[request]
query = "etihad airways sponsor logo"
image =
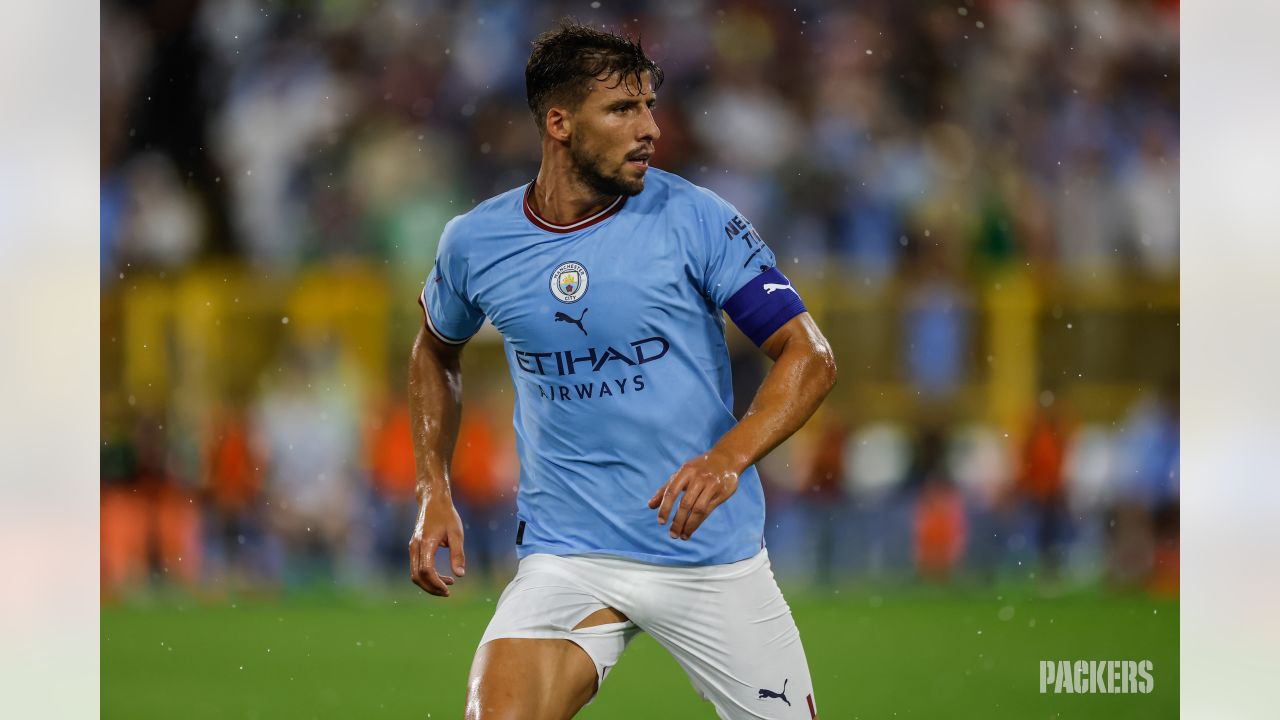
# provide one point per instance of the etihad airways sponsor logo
(594, 389)
(573, 362)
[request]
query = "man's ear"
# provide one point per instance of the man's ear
(559, 124)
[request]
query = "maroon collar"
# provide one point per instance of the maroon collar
(608, 212)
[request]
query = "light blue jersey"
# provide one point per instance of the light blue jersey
(613, 331)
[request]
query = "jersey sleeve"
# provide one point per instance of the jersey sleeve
(451, 315)
(740, 273)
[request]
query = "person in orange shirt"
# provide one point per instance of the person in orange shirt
(482, 487)
(392, 480)
(941, 529)
(123, 520)
(233, 508)
(1040, 483)
(484, 492)
(939, 524)
(150, 526)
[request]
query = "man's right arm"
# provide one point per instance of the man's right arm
(435, 407)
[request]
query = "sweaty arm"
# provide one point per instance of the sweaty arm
(435, 407)
(804, 371)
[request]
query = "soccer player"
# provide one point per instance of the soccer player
(639, 509)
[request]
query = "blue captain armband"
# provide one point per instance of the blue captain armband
(763, 305)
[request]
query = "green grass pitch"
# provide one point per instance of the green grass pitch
(902, 653)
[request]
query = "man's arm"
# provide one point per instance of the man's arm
(803, 373)
(435, 407)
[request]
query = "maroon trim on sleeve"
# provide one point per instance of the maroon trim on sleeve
(431, 325)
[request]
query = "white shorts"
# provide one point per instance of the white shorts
(727, 625)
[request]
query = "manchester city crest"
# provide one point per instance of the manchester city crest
(569, 282)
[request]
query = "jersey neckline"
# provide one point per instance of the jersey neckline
(586, 222)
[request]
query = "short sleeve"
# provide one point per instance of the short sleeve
(740, 273)
(451, 315)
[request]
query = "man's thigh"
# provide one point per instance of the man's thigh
(529, 679)
(548, 646)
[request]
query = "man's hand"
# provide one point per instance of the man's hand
(706, 481)
(438, 526)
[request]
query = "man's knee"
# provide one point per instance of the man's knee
(488, 706)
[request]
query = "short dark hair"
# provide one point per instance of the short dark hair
(565, 61)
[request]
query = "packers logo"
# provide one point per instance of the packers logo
(569, 282)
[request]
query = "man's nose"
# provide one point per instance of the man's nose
(649, 131)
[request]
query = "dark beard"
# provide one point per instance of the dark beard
(585, 166)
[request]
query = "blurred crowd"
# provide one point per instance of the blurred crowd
(1069, 504)
(303, 487)
(931, 145)
(1023, 131)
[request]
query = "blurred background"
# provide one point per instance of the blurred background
(978, 200)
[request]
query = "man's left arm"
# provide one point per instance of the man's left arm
(804, 371)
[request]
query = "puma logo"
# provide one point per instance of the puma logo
(766, 694)
(770, 288)
(561, 317)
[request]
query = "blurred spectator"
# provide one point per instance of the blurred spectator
(823, 500)
(940, 529)
(278, 110)
(124, 554)
(234, 512)
(482, 490)
(1150, 184)
(936, 329)
(1088, 221)
(1149, 449)
(878, 460)
(1144, 544)
(158, 220)
(1040, 483)
(150, 524)
(174, 518)
(309, 432)
(979, 460)
(394, 504)
(1090, 472)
